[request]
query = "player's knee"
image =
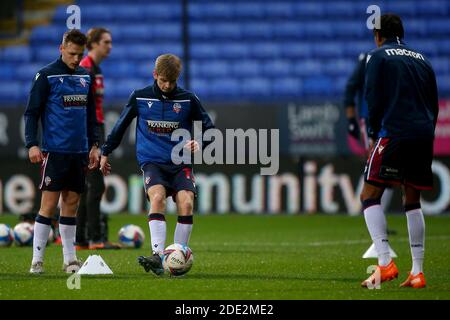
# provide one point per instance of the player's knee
(186, 207)
(158, 199)
(185, 202)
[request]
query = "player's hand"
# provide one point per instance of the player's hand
(105, 167)
(94, 156)
(353, 127)
(35, 154)
(192, 145)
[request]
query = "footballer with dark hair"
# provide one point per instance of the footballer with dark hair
(402, 99)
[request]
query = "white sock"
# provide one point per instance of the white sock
(183, 230)
(377, 226)
(42, 228)
(416, 230)
(158, 230)
(67, 229)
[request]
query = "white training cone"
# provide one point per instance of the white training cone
(95, 265)
(372, 252)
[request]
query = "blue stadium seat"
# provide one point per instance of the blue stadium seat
(350, 29)
(13, 91)
(98, 14)
(288, 30)
(339, 9)
(200, 87)
(287, 87)
(27, 71)
(444, 47)
(328, 49)
(275, 9)
(204, 51)
(339, 84)
(134, 33)
(427, 47)
(16, 54)
(402, 8)
(309, 9)
(7, 71)
(211, 69)
(415, 27)
(318, 30)
(122, 89)
(443, 83)
(227, 31)
(433, 8)
(129, 13)
(46, 54)
(441, 64)
(336, 67)
(257, 31)
(234, 50)
(318, 86)
(308, 67)
(213, 11)
(257, 88)
(226, 88)
(47, 35)
(265, 50)
(440, 27)
(248, 10)
(120, 69)
(246, 68)
(199, 31)
(296, 50)
(354, 48)
(277, 69)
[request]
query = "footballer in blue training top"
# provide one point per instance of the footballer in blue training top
(161, 108)
(61, 97)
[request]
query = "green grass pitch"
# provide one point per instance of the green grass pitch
(243, 257)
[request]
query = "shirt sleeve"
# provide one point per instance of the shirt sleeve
(126, 117)
(37, 100)
(374, 93)
(199, 114)
(355, 82)
(435, 97)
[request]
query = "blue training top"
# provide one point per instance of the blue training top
(158, 115)
(62, 98)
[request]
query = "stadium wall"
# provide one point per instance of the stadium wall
(318, 170)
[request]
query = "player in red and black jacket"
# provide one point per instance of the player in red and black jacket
(402, 99)
(99, 44)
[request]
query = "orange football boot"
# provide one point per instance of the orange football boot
(387, 273)
(417, 281)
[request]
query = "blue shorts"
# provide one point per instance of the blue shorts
(63, 171)
(173, 177)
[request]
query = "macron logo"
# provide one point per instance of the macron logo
(404, 52)
(37, 76)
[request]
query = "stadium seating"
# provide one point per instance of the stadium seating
(239, 50)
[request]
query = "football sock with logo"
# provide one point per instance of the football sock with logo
(416, 230)
(158, 229)
(67, 229)
(42, 228)
(183, 229)
(377, 226)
